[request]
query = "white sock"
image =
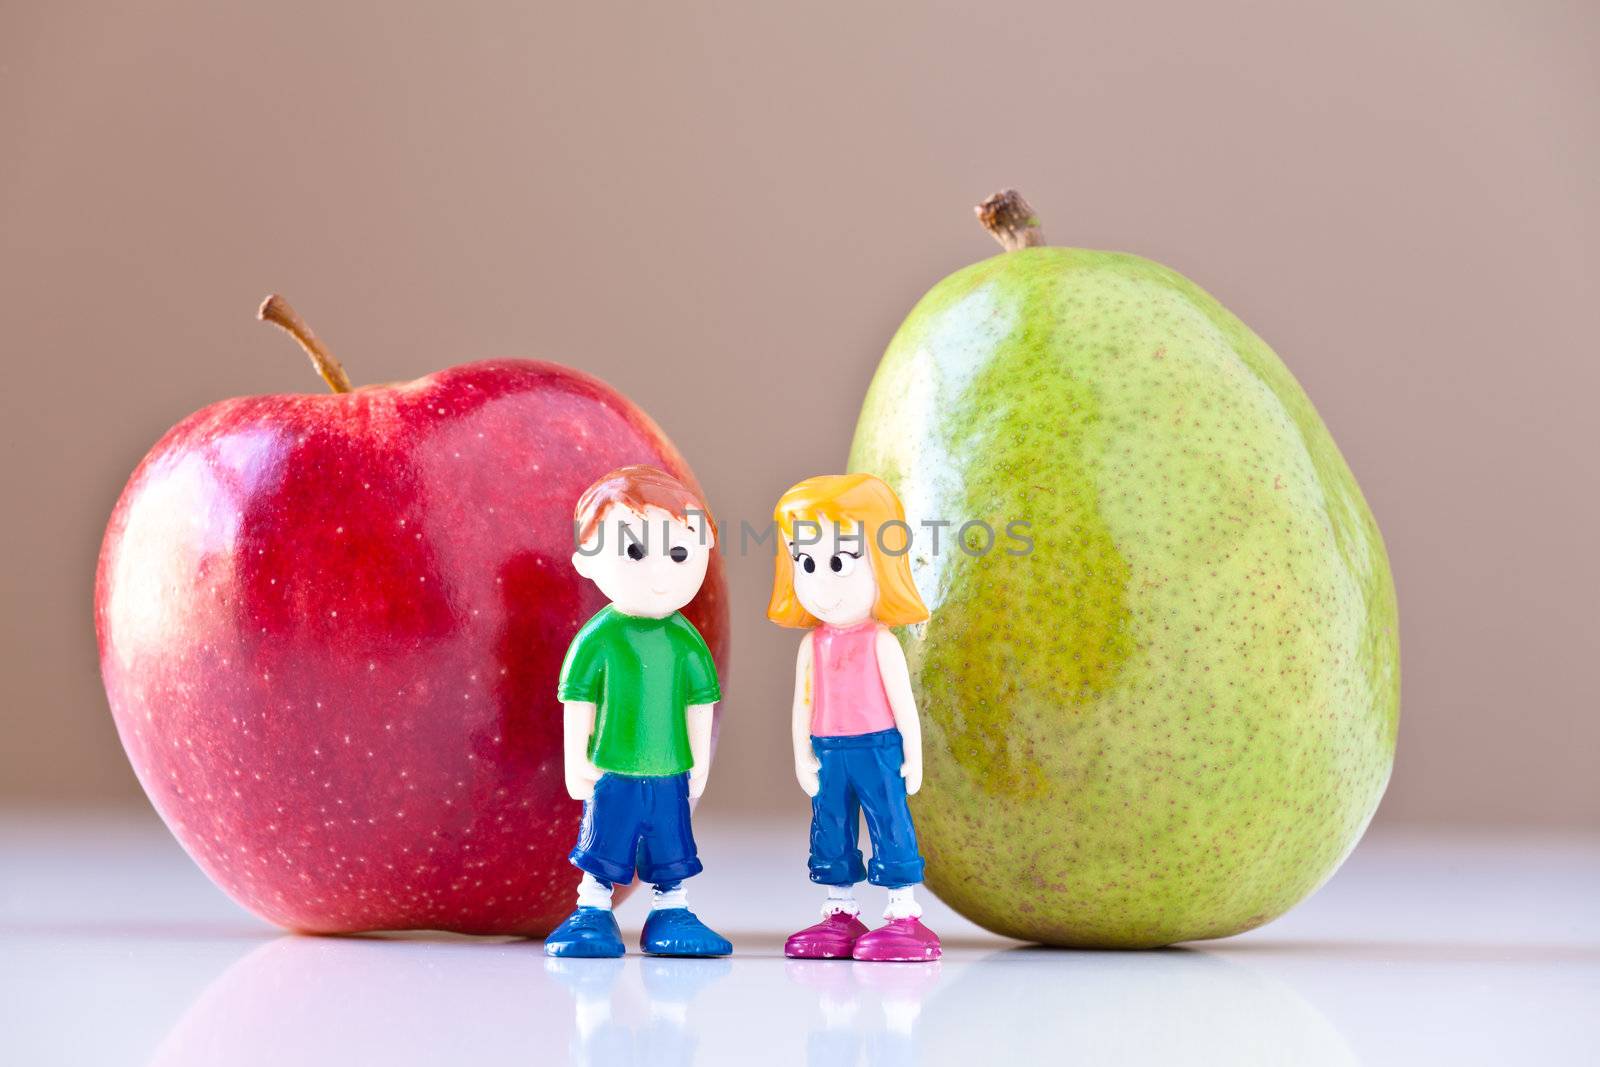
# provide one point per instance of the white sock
(902, 904)
(593, 893)
(673, 898)
(841, 900)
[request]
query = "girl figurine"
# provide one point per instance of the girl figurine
(842, 574)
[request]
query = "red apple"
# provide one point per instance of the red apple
(330, 628)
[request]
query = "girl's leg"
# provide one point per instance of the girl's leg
(835, 863)
(835, 824)
(903, 904)
(896, 863)
(841, 901)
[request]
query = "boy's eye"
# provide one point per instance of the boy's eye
(679, 554)
(842, 563)
(636, 551)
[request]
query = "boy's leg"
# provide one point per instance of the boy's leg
(667, 855)
(666, 850)
(594, 892)
(613, 820)
(669, 895)
(591, 930)
(604, 853)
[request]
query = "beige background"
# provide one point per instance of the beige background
(725, 211)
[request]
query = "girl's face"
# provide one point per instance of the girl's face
(832, 574)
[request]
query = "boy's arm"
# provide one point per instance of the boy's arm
(806, 764)
(704, 692)
(578, 689)
(897, 684)
(699, 746)
(577, 722)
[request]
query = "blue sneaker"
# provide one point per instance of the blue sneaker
(588, 933)
(677, 932)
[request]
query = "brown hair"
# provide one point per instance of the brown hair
(637, 487)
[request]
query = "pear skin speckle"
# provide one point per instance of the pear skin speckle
(1173, 718)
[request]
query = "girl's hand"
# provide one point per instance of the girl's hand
(806, 767)
(911, 771)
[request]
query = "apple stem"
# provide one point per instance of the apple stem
(276, 310)
(1010, 220)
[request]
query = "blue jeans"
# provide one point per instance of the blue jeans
(641, 823)
(861, 772)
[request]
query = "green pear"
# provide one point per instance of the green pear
(1164, 708)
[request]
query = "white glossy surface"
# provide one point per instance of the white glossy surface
(114, 949)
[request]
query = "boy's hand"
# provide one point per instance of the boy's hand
(806, 767)
(581, 780)
(699, 723)
(911, 771)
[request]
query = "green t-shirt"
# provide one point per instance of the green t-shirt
(642, 675)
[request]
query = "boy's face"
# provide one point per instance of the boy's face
(833, 577)
(648, 565)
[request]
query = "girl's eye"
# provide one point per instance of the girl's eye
(807, 562)
(679, 554)
(842, 563)
(636, 551)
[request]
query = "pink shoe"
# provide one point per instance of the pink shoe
(899, 940)
(830, 939)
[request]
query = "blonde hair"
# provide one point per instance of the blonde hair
(866, 505)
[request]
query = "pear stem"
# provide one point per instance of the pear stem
(276, 310)
(1010, 220)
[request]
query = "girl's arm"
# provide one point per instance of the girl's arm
(897, 684)
(806, 764)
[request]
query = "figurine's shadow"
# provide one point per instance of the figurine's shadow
(870, 1011)
(311, 1000)
(1172, 1005)
(437, 999)
(635, 1010)
(1176, 1005)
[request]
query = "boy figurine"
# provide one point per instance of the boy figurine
(638, 686)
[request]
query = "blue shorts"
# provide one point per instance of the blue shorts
(637, 823)
(861, 772)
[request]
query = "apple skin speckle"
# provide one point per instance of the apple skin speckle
(296, 599)
(1174, 718)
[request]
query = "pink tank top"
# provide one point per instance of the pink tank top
(847, 696)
